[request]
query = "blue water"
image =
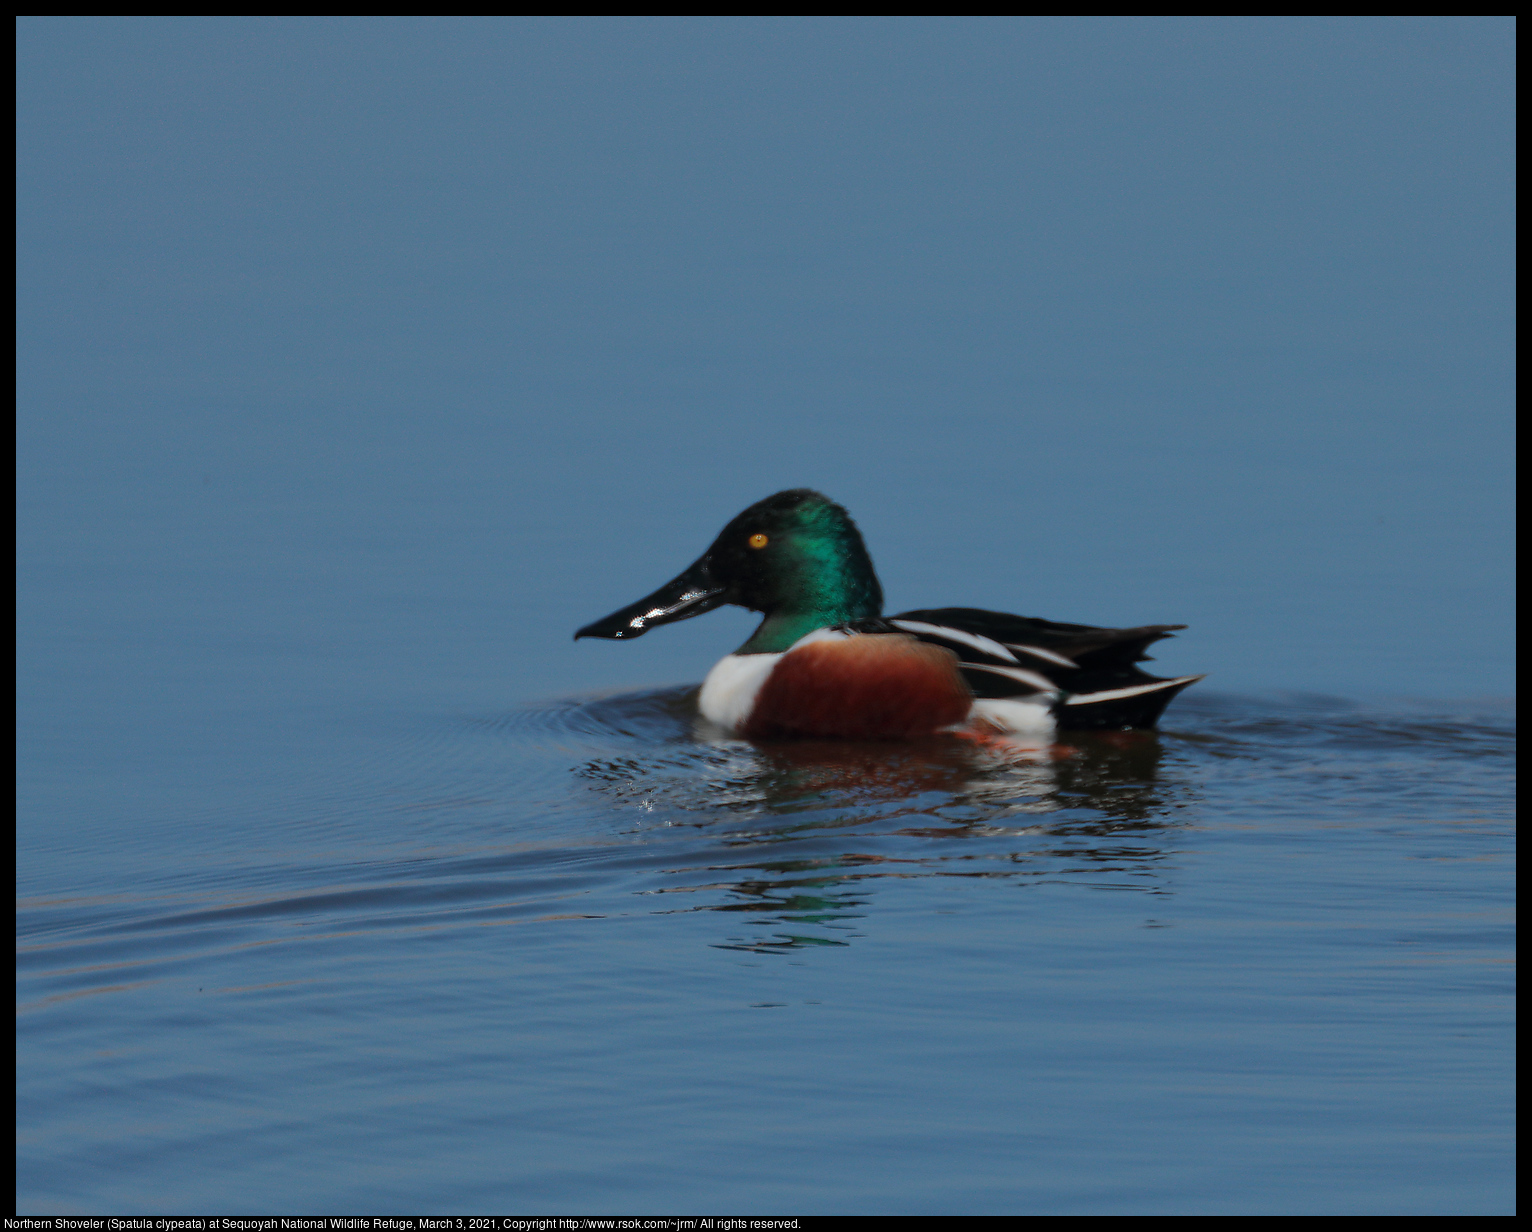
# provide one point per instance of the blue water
(363, 361)
(572, 957)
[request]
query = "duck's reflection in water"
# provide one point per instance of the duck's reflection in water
(993, 779)
(807, 830)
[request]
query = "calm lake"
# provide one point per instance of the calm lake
(574, 957)
(363, 360)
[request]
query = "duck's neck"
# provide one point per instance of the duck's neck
(785, 625)
(781, 629)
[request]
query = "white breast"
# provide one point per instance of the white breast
(728, 693)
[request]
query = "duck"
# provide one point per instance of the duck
(826, 664)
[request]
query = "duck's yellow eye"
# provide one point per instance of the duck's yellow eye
(758, 540)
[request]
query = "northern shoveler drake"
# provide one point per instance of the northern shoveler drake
(826, 664)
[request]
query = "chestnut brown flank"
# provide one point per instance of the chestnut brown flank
(872, 687)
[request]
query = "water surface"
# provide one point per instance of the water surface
(361, 361)
(576, 956)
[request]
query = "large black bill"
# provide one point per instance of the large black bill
(690, 594)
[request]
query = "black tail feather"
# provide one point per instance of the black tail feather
(1086, 712)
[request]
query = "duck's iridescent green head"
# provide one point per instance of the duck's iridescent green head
(796, 556)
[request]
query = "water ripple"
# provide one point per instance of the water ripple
(618, 806)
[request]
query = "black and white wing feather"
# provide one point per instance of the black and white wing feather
(1089, 675)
